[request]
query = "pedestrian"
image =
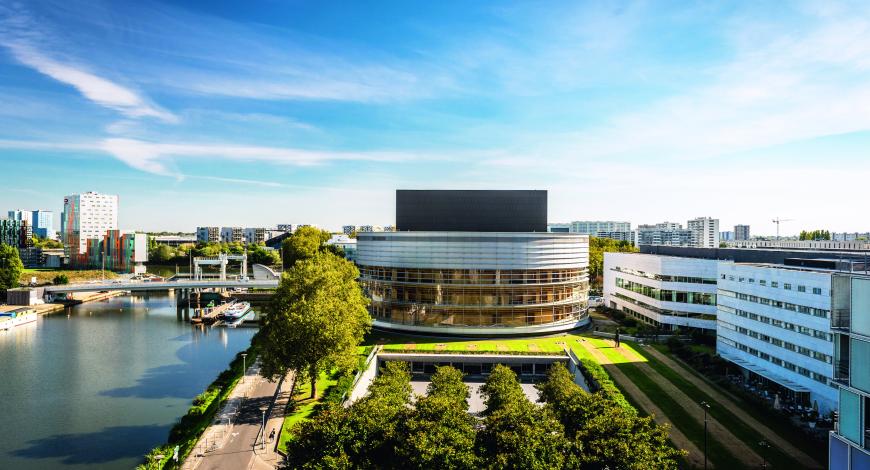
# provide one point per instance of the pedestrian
(616, 337)
(272, 436)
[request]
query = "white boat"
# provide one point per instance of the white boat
(19, 316)
(238, 321)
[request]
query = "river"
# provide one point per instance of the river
(99, 385)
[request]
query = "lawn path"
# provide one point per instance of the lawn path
(737, 448)
(695, 456)
(725, 401)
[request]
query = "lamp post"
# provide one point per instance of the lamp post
(705, 406)
(244, 369)
(764, 446)
(263, 432)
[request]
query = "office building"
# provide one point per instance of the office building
(667, 292)
(850, 236)
(255, 235)
(208, 234)
(741, 232)
(590, 227)
(813, 245)
(559, 228)
(87, 216)
(116, 250)
(348, 229)
(347, 244)
(474, 263)
(24, 215)
(232, 234)
(629, 236)
(705, 232)
(664, 233)
(849, 443)
(40, 221)
(774, 322)
(370, 228)
(174, 240)
(726, 236)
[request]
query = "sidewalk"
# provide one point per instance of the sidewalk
(234, 440)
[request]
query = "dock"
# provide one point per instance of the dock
(209, 315)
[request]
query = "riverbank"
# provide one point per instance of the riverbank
(81, 298)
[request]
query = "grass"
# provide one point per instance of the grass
(675, 411)
(304, 406)
(45, 276)
(771, 418)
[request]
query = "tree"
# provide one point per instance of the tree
(258, 254)
(303, 244)
(316, 319)
(814, 235)
(599, 246)
(440, 433)
(517, 434)
(60, 279)
(10, 267)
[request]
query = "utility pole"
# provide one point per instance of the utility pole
(764, 446)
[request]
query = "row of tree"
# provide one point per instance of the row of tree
(815, 235)
(165, 254)
(573, 429)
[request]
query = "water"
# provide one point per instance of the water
(98, 386)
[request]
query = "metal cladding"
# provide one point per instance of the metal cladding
(471, 210)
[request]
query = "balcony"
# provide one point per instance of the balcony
(841, 319)
(841, 371)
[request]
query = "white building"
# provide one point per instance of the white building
(255, 234)
(664, 291)
(348, 229)
(774, 322)
(370, 228)
(663, 233)
(87, 216)
(741, 232)
(705, 232)
(346, 243)
(590, 227)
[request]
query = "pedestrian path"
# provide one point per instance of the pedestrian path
(238, 439)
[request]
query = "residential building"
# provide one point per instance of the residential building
(850, 236)
(741, 232)
(389, 228)
(17, 233)
(287, 227)
(116, 250)
(832, 245)
(348, 229)
(629, 236)
(667, 292)
(726, 236)
(705, 232)
(591, 227)
(474, 263)
(232, 234)
(87, 216)
(175, 240)
(664, 233)
(774, 322)
(559, 228)
(208, 234)
(849, 443)
(20, 214)
(41, 222)
(255, 235)
(370, 228)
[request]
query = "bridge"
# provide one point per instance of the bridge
(164, 285)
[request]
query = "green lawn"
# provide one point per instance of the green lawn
(427, 344)
(304, 406)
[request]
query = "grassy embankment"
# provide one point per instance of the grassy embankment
(47, 275)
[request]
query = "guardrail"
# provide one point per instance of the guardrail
(164, 285)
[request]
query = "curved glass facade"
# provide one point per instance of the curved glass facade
(446, 290)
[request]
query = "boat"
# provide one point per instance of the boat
(235, 313)
(19, 316)
(238, 321)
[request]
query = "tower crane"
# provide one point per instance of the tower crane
(778, 221)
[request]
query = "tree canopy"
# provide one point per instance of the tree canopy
(316, 319)
(815, 235)
(303, 244)
(599, 246)
(11, 267)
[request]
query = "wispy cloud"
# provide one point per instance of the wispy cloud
(22, 37)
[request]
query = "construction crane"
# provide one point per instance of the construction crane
(777, 221)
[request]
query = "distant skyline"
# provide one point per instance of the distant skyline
(258, 113)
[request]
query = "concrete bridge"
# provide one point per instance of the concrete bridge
(165, 285)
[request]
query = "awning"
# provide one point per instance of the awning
(766, 374)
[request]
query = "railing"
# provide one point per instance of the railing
(841, 318)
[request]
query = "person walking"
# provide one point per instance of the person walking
(616, 338)
(272, 436)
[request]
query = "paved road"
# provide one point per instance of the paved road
(238, 446)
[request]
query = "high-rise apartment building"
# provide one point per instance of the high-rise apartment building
(590, 227)
(849, 443)
(43, 224)
(705, 232)
(664, 233)
(726, 236)
(87, 216)
(232, 234)
(255, 234)
(15, 233)
(741, 232)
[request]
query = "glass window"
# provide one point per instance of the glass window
(860, 306)
(850, 416)
(786, 286)
(859, 373)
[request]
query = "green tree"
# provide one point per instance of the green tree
(440, 433)
(599, 246)
(316, 319)
(60, 279)
(517, 434)
(303, 244)
(10, 267)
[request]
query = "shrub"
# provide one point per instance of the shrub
(60, 279)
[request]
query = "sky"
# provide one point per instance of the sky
(257, 113)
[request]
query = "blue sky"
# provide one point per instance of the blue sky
(258, 113)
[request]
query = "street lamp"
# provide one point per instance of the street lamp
(705, 406)
(244, 355)
(764, 446)
(263, 432)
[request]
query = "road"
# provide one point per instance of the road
(239, 446)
